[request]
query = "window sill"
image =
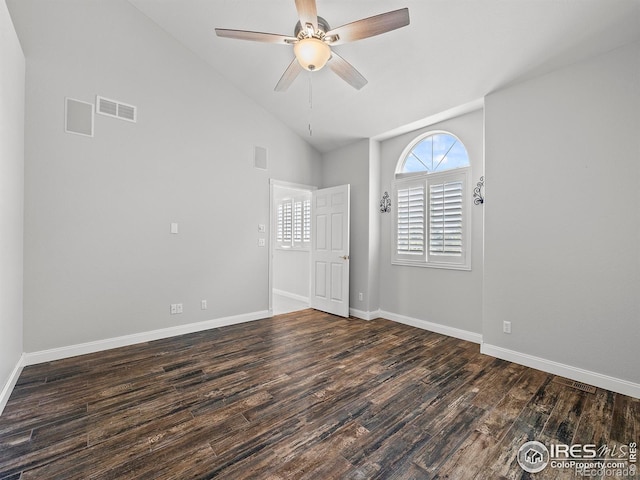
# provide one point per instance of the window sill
(293, 249)
(441, 266)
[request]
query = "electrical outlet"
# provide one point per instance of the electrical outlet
(262, 228)
(203, 304)
(178, 308)
(173, 309)
(262, 242)
(360, 296)
(506, 327)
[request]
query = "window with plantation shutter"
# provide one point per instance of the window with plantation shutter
(293, 223)
(433, 204)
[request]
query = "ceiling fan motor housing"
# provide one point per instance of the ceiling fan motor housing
(323, 27)
(311, 50)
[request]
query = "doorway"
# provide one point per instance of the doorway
(290, 247)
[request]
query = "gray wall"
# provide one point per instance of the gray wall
(448, 297)
(351, 165)
(99, 259)
(375, 220)
(562, 249)
(12, 71)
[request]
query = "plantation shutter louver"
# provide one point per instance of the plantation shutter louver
(287, 227)
(445, 218)
(306, 225)
(297, 222)
(410, 220)
(280, 228)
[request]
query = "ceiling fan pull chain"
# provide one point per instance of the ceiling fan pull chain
(310, 102)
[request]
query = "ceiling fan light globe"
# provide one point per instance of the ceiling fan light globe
(312, 53)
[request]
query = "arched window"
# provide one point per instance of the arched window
(434, 152)
(432, 203)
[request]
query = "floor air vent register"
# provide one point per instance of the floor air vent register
(577, 385)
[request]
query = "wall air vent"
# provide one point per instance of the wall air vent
(78, 117)
(260, 157)
(113, 108)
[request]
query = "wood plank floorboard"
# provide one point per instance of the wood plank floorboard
(303, 395)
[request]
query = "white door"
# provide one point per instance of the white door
(330, 250)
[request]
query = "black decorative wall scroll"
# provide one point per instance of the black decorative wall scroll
(477, 192)
(385, 203)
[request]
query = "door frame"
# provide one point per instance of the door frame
(272, 228)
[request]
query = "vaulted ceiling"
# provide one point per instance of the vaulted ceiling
(453, 52)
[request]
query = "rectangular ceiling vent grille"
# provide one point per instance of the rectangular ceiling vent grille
(113, 108)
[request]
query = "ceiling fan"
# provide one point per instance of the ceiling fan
(313, 38)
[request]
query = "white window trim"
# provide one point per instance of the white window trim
(425, 260)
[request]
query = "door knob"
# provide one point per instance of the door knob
(344, 257)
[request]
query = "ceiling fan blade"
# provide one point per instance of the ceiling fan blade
(368, 27)
(346, 71)
(289, 75)
(256, 36)
(308, 13)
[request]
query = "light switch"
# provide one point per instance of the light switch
(262, 228)
(174, 228)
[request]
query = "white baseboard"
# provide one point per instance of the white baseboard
(354, 312)
(33, 358)
(617, 385)
(11, 382)
(432, 327)
(294, 296)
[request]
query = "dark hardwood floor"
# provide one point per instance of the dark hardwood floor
(302, 395)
